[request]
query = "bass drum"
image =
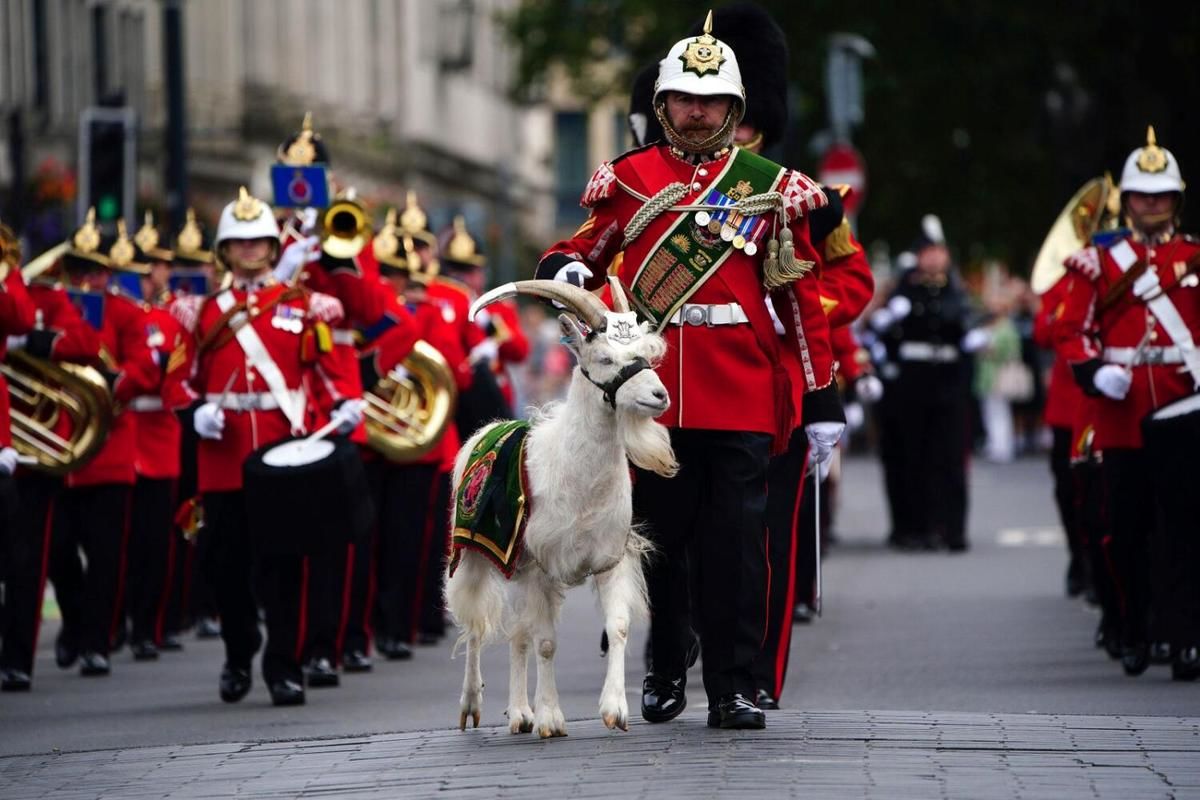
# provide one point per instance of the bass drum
(307, 497)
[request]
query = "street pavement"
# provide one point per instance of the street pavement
(930, 675)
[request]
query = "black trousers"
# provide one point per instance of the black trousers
(1129, 491)
(1091, 516)
(714, 510)
(327, 600)
(933, 404)
(151, 557)
(891, 456)
(1065, 488)
(431, 602)
(360, 597)
(787, 585)
(1172, 445)
(26, 561)
(94, 519)
(405, 496)
(242, 577)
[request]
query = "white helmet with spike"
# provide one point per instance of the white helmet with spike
(701, 65)
(1151, 169)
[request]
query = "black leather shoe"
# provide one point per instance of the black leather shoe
(144, 650)
(428, 638)
(663, 699)
(208, 628)
(15, 680)
(235, 683)
(395, 650)
(287, 693)
(735, 712)
(1186, 664)
(93, 664)
(1135, 658)
(170, 642)
(319, 673)
(803, 613)
(356, 661)
(764, 700)
(1161, 653)
(66, 651)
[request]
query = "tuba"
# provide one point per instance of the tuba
(60, 413)
(345, 227)
(407, 415)
(1095, 207)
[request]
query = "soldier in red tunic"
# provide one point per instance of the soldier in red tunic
(266, 368)
(92, 515)
(1128, 330)
(708, 232)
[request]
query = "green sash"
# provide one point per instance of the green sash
(688, 254)
(492, 501)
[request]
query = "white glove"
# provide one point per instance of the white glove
(575, 273)
(209, 421)
(308, 220)
(399, 373)
(822, 438)
(900, 306)
(854, 416)
(975, 340)
(8, 461)
(881, 319)
(325, 307)
(869, 389)
(487, 350)
(1113, 381)
(16, 342)
(349, 415)
(297, 254)
(1146, 285)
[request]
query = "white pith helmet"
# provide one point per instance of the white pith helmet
(246, 218)
(700, 65)
(1151, 169)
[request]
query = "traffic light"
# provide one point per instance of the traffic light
(106, 169)
(107, 162)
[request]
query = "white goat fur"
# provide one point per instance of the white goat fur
(577, 456)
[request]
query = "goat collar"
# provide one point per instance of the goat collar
(610, 388)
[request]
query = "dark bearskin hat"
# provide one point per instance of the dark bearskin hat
(643, 123)
(762, 55)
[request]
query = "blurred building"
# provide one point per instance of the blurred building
(406, 93)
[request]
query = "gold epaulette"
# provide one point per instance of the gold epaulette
(839, 243)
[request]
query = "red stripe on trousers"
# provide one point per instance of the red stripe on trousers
(164, 597)
(785, 633)
(119, 596)
(41, 590)
(344, 619)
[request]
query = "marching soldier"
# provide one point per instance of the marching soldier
(92, 514)
(703, 280)
(152, 538)
(1128, 330)
(926, 325)
(266, 370)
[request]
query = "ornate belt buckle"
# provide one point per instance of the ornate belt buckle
(695, 315)
(1154, 355)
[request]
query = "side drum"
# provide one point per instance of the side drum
(307, 497)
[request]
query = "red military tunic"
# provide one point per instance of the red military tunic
(444, 337)
(726, 377)
(158, 428)
(17, 316)
(123, 351)
(1064, 398)
(454, 300)
(1087, 334)
(513, 347)
(296, 344)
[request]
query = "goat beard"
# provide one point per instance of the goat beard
(648, 445)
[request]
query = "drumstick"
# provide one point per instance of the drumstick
(228, 385)
(324, 431)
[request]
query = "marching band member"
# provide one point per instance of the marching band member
(1128, 330)
(93, 512)
(266, 369)
(704, 281)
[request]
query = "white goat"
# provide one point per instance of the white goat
(577, 460)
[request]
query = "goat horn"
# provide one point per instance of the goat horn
(620, 302)
(583, 303)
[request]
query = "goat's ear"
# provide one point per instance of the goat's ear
(572, 333)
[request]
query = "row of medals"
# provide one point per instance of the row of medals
(727, 231)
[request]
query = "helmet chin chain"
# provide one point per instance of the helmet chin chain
(722, 138)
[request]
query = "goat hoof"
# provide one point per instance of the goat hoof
(474, 719)
(612, 721)
(462, 721)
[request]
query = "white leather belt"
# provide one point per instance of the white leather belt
(1150, 355)
(146, 402)
(1179, 408)
(924, 351)
(709, 315)
(253, 401)
(343, 336)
